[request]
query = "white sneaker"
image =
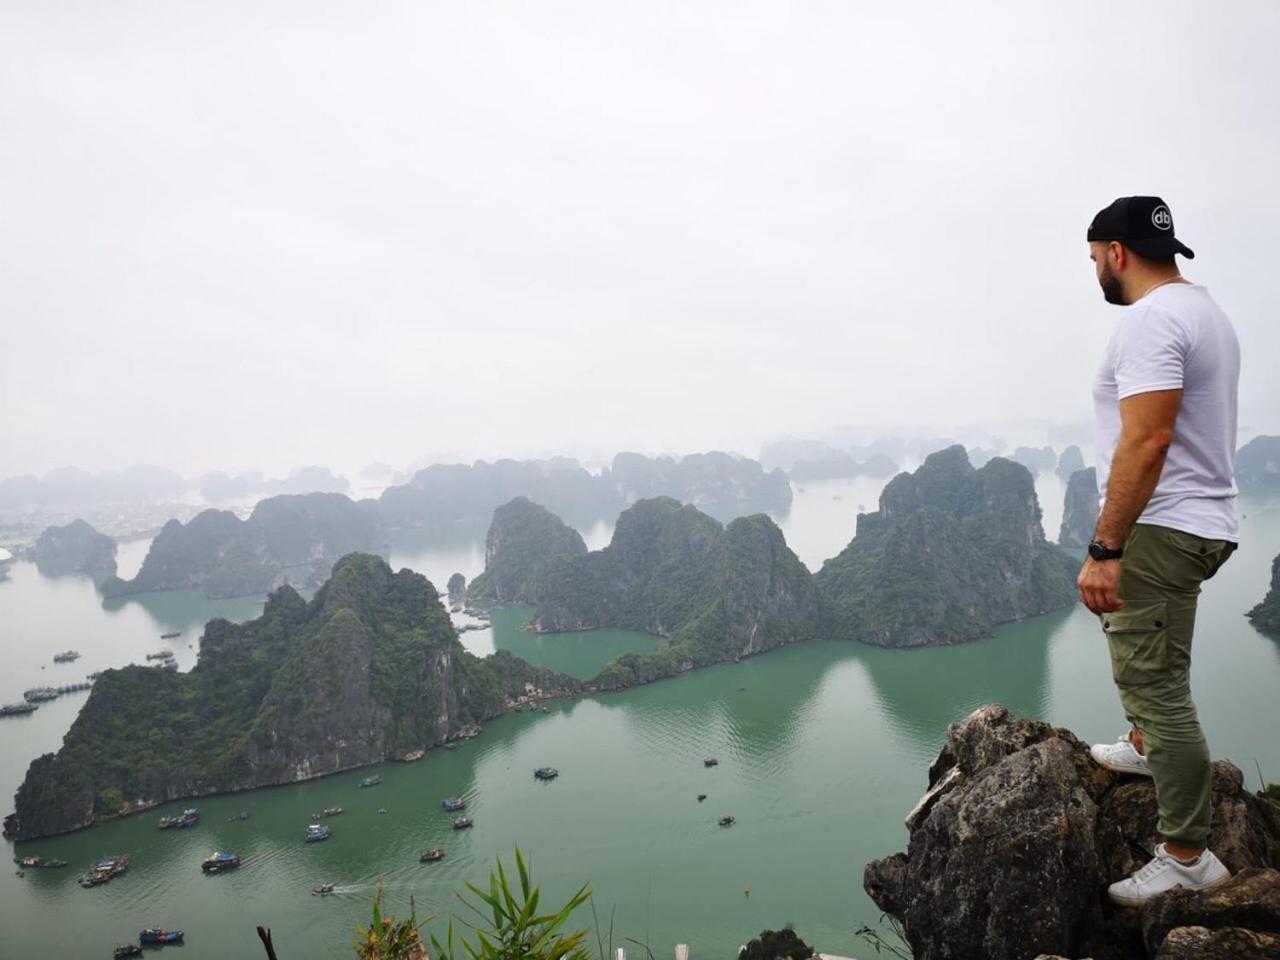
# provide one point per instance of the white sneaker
(1121, 756)
(1164, 873)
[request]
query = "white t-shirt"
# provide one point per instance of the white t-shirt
(1174, 338)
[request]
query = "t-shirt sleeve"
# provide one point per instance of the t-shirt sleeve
(1150, 353)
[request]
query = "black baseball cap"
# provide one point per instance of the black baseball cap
(1143, 224)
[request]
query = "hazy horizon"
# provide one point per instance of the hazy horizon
(238, 237)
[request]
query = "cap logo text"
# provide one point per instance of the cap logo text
(1161, 218)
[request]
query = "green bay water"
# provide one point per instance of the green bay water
(822, 746)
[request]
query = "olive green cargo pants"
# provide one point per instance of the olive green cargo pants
(1150, 642)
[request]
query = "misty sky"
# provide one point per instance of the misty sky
(265, 234)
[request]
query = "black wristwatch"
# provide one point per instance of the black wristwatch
(1100, 551)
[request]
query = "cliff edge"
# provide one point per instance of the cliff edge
(1020, 832)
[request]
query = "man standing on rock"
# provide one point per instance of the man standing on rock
(1165, 407)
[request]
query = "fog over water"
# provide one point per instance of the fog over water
(245, 236)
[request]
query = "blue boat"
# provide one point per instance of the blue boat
(220, 860)
(156, 935)
(454, 803)
(317, 832)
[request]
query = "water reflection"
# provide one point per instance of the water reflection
(921, 691)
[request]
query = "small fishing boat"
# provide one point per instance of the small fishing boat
(462, 823)
(219, 861)
(383, 810)
(321, 890)
(161, 655)
(172, 635)
(711, 762)
(432, 855)
(546, 773)
(40, 694)
(370, 781)
(156, 935)
(701, 797)
(66, 657)
(189, 818)
(127, 950)
(317, 832)
(454, 803)
(728, 821)
(17, 709)
(413, 755)
(34, 863)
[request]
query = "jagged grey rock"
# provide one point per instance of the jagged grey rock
(1011, 853)
(1079, 509)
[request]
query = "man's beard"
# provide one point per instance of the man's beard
(1112, 289)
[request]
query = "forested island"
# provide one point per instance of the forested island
(287, 539)
(951, 552)
(1266, 615)
(369, 669)
(524, 544)
(75, 548)
(1079, 509)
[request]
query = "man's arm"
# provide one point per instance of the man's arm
(1146, 429)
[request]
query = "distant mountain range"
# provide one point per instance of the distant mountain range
(296, 539)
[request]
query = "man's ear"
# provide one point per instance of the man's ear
(1119, 256)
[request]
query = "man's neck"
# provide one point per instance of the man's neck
(1139, 286)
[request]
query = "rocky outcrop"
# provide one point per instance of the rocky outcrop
(1266, 615)
(1258, 465)
(286, 540)
(369, 669)
(524, 544)
(715, 593)
(457, 587)
(1069, 461)
(1079, 509)
(760, 597)
(654, 576)
(951, 552)
(1012, 847)
(75, 548)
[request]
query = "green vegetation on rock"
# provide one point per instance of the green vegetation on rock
(951, 552)
(287, 539)
(1266, 615)
(1079, 509)
(524, 544)
(369, 669)
(75, 548)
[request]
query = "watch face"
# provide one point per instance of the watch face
(1097, 550)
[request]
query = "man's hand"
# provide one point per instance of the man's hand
(1097, 583)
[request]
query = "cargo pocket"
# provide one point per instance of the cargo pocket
(1137, 636)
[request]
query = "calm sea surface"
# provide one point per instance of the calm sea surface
(822, 750)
